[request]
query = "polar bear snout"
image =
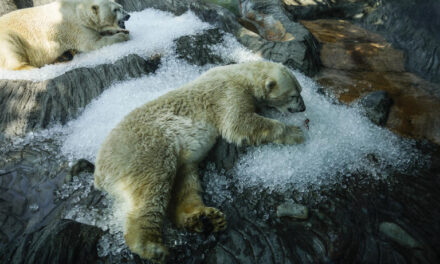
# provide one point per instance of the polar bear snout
(121, 22)
(299, 106)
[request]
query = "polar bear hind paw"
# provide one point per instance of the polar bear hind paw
(155, 252)
(205, 220)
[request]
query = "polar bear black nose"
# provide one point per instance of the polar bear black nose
(126, 17)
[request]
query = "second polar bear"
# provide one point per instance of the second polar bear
(149, 161)
(34, 37)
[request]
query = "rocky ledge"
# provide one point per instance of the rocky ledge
(356, 62)
(32, 105)
(262, 26)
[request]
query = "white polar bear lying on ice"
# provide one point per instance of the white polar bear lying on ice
(34, 37)
(150, 160)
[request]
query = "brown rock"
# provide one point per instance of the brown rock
(362, 57)
(357, 62)
(338, 31)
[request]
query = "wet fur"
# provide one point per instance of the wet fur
(149, 162)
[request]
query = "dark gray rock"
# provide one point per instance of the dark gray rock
(376, 106)
(208, 12)
(398, 235)
(412, 26)
(231, 5)
(342, 9)
(293, 210)
(25, 3)
(271, 33)
(82, 165)
(224, 155)
(30, 174)
(196, 49)
(62, 241)
(27, 105)
(278, 39)
(7, 6)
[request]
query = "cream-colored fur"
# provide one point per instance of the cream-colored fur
(150, 160)
(34, 37)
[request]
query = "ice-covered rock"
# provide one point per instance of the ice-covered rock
(31, 105)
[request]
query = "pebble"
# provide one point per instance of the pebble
(293, 210)
(398, 235)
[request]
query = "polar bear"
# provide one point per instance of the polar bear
(149, 160)
(34, 37)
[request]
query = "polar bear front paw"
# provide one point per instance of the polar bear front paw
(121, 37)
(205, 219)
(292, 135)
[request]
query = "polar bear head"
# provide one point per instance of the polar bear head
(281, 89)
(103, 15)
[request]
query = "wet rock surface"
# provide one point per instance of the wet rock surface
(409, 25)
(292, 210)
(29, 105)
(347, 222)
(412, 26)
(7, 6)
(63, 241)
(262, 26)
(357, 62)
(271, 33)
(30, 174)
(398, 235)
(377, 106)
(344, 9)
(197, 49)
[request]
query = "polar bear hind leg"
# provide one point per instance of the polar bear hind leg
(148, 197)
(188, 210)
(13, 55)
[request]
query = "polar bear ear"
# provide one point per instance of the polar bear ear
(270, 84)
(95, 9)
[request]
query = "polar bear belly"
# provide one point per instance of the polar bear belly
(195, 139)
